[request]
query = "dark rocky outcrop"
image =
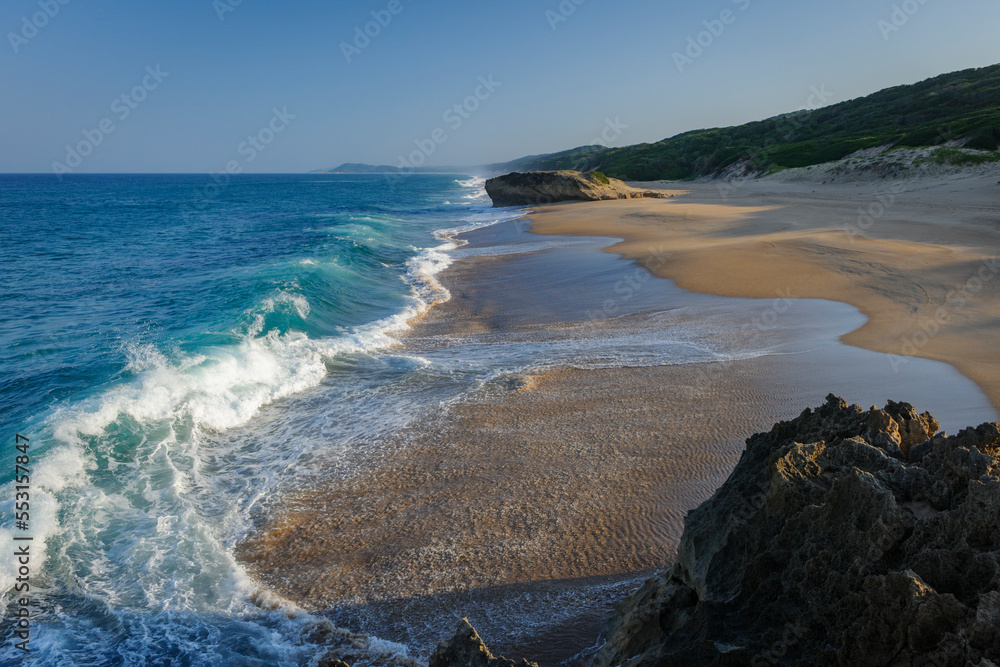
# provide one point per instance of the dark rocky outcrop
(844, 537)
(466, 649)
(545, 187)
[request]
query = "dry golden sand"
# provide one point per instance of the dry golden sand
(925, 272)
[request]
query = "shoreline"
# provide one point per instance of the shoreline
(925, 272)
(531, 503)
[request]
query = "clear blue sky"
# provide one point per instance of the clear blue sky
(607, 60)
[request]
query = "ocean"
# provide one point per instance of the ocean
(179, 353)
(154, 325)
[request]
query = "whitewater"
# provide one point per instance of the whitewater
(163, 356)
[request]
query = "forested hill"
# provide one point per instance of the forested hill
(961, 106)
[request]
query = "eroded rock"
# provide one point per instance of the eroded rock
(843, 537)
(545, 187)
(466, 649)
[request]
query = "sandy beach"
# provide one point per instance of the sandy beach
(918, 258)
(537, 501)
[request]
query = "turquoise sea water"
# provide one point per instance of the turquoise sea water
(151, 326)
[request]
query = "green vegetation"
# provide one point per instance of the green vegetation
(955, 156)
(600, 178)
(961, 105)
(986, 140)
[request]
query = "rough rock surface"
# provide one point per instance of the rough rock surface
(843, 537)
(466, 649)
(340, 648)
(546, 187)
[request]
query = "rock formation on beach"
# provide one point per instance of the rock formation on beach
(843, 537)
(466, 648)
(546, 187)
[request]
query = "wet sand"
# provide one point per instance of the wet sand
(574, 475)
(918, 258)
(537, 501)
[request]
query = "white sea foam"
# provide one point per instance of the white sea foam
(217, 389)
(285, 298)
(141, 356)
(478, 194)
(476, 182)
(140, 479)
(387, 649)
